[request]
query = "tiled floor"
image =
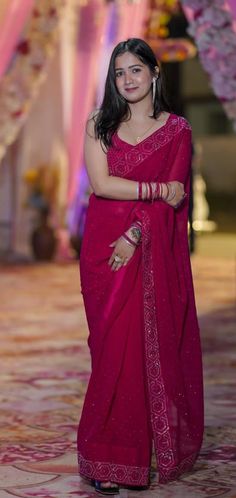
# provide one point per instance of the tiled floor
(45, 366)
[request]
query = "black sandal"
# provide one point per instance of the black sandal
(113, 490)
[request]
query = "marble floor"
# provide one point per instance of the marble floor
(44, 370)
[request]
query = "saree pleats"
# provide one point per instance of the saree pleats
(113, 426)
(146, 380)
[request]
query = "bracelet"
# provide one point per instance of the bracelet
(161, 191)
(158, 185)
(151, 191)
(168, 191)
(164, 196)
(146, 191)
(155, 189)
(140, 190)
(128, 240)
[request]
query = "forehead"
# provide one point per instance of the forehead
(127, 59)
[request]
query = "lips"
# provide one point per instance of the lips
(131, 89)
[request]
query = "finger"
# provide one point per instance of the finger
(118, 266)
(113, 244)
(111, 258)
(114, 265)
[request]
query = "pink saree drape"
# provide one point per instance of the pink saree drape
(15, 15)
(146, 380)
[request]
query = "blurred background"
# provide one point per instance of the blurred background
(54, 56)
(53, 62)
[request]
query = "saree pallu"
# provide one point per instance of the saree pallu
(145, 388)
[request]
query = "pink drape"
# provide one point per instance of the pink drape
(11, 26)
(146, 380)
(132, 17)
(232, 5)
(91, 26)
(94, 48)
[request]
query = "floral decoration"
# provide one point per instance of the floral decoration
(28, 69)
(217, 49)
(158, 35)
(178, 49)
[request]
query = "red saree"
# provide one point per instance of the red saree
(146, 382)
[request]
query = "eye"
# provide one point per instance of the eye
(136, 70)
(118, 74)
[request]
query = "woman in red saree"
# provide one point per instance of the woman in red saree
(145, 389)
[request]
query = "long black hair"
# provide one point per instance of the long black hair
(115, 108)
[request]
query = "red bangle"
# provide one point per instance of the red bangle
(158, 194)
(140, 190)
(151, 192)
(168, 191)
(125, 236)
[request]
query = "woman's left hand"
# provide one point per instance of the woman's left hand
(121, 255)
(179, 194)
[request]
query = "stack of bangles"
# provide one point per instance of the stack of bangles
(151, 191)
(148, 191)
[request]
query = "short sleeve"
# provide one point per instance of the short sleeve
(181, 166)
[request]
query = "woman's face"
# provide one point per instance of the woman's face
(133, 78)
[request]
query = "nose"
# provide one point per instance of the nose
(128, 78)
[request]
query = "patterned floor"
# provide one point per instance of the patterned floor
(44, 369)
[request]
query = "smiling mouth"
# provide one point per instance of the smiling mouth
(131, 89)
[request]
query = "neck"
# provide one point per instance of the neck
(141, 110)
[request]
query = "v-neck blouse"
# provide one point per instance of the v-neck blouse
(146, 138)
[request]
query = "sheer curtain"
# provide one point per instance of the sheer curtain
(92, 18)
(96, 39)
(13, 16)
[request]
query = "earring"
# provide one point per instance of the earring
(154, 87)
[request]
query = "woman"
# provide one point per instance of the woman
(146, 383)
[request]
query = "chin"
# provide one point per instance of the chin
(134, 99)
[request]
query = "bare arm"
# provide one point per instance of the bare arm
(102, 184)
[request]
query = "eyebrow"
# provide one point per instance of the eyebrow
(130, 67)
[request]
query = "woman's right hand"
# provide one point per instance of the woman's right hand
(179, 194)
(123, 251)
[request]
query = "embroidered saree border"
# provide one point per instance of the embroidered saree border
(107, 471)
(138, 153)
(184, 466)
(167, 467)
